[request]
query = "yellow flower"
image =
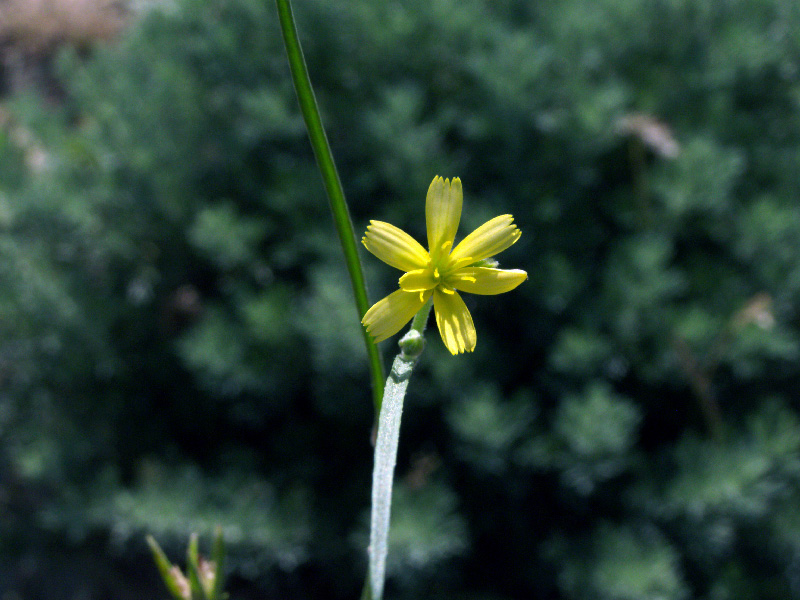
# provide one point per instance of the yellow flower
(442, 270)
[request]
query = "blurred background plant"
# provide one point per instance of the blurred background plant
(204, 578)
(178, 347)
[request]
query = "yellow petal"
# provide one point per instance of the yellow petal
(419, 280)
(482, 280)
(394, 246)
(454, 322)
(443, 213)
(388, 316)
(487, 240)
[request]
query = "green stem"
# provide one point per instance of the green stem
(420, 320)
(333, 186)
(412, 344)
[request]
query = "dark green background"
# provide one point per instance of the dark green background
(179, 347)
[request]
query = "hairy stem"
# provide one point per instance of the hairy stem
(411, 346)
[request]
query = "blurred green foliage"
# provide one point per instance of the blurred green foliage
(178, 346)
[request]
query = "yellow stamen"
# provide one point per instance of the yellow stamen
(447, 290)
(445, 246)
(467, 278)
(436, 274)
(461, 262)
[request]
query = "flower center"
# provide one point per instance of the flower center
(440, 273)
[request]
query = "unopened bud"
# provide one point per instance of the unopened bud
(181, 583)
(412, 344)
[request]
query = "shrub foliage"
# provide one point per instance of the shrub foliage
(179, 346)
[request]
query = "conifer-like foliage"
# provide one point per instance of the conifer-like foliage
(179, 347)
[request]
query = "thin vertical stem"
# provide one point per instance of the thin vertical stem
(333, 186)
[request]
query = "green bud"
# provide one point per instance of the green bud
(412, 344)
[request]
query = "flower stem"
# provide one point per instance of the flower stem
(333, 186)
(420, 320)
(411, 346)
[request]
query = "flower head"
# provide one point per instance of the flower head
(441, 271)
